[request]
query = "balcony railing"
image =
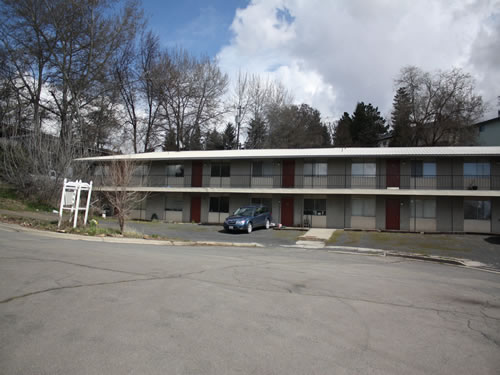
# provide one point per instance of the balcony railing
(439, 182)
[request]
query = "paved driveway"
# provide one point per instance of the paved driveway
(75, 307)
(195, 232)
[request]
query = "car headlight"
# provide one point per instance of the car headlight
(241, 222)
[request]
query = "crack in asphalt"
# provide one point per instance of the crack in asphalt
(286, 290)
(76, 264)
(486, 336)
(294, 291)
(154, 278)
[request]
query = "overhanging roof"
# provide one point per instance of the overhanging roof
(306, 153)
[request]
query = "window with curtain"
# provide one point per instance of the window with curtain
(315, 169)
(421, 168)
(363, 207)
(262, 169)
(363, 169)
(476, 169)
(423, 208)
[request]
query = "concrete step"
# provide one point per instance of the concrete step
(317, 234)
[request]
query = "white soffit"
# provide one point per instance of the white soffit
(306, 153)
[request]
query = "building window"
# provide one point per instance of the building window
(363, 169)
(315, 169)
(423, 169)
(219, 204)
(476, 169)
(175, 170)
(423, 208)
(363, 207)
(174, 204)
(316, 207)
(262, 169)
(139, 170)
(220, 170)
(262, 201)
(477, 209)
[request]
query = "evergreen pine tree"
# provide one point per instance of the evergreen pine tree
(195, 139)
(214, 140)
(257, 134)
(229, 137)
(170, 141)
(402, 131)
(342, 134)
(367, 126)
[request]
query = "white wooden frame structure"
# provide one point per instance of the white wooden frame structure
(70, 200)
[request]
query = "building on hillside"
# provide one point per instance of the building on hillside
(444, 189)
(488, 132)
(385, 140)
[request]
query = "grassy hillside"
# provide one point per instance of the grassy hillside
(11, 200)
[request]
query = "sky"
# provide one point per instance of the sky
(332, 54)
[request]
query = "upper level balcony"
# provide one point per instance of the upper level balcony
(303, 181)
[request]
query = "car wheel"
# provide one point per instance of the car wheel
(249, 228)
(268, 224)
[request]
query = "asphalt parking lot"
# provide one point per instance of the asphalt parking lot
(79, 307)
(197, 232)
(475, 247)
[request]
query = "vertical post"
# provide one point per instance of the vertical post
(77, 203)
(452, 178)
(62, 203)
(238, 122)
(88, 204)
(345, 180)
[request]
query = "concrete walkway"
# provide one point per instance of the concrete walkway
(317, 234)
(315, 238)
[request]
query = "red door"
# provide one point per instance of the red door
(196, 209)
(393, 173)
(392, 214)
(197, 174)
(287, 212)
(288, 173)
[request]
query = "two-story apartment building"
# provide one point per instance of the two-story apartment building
(444, 189)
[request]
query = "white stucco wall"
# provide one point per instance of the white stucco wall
(423, 225)
(362, 222)
(173, 216)
(477, 226)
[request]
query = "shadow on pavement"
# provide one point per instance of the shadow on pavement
(494, 240)
(238, 232)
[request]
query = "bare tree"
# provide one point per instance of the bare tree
(253, 100)
(21, 35)
(58, 57)
(443, 105)
(120, 175)
(136, 77)
(190, 91)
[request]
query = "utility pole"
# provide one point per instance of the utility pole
(237, 119)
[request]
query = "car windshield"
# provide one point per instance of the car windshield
(244, 211)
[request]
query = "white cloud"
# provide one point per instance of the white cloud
(332, 54)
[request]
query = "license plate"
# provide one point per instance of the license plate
(231, 227)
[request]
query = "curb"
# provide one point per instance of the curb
(137, 241)
(428, 258)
